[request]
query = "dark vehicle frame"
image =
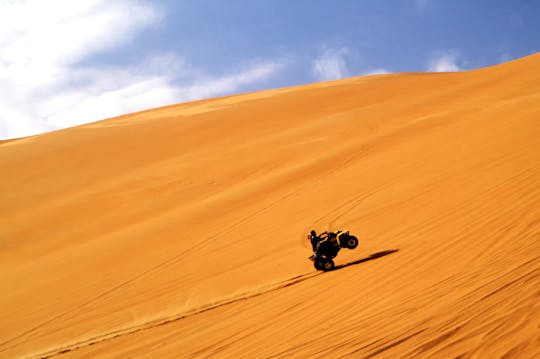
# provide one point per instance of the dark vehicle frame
(327, 245)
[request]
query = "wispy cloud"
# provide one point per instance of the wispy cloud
(330, 64)
(47, 81)
(445, 62)
(380, 71)
(114, 92)
(209, 86)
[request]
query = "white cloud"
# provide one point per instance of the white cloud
(445, 62)
(38, 38)
(212, 86)
(330, 65)
(45, 86)
(116, 92)
(376, 72)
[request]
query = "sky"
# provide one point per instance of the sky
(64, 63)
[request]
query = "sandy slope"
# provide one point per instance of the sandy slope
(181, 231)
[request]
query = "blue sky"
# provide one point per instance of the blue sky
(64, 63)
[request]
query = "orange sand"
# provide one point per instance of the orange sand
(180, 231)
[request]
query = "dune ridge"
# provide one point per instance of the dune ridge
(181, 230)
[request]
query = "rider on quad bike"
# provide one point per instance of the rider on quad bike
(327, 245)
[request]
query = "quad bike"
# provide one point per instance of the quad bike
(327, 245)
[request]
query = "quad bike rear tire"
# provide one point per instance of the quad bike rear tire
(327, 264)
(352, 242)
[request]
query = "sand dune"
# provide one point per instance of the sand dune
(180, 231)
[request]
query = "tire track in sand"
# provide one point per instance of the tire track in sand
(179, 316)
